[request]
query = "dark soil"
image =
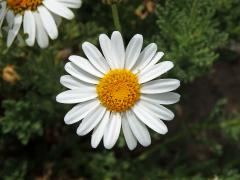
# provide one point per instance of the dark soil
(201, 96)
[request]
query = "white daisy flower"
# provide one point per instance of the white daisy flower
(39, 18)
(119, 89)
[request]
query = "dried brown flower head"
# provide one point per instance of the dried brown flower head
(10, 75)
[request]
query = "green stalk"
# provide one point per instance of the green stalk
(116, 17)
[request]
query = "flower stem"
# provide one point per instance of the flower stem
(116, 17)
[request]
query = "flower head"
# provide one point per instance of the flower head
(119, 88)
(39, 18)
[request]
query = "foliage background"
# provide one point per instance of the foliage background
(203, 40)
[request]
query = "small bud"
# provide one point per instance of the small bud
(63, 54)
(141, 12)
(146, 8)
(10, 75)
(150, 5)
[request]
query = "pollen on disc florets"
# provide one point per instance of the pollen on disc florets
(19, 6)
(118, 90)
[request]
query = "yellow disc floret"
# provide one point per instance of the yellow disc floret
(19, 6)
(118, 90)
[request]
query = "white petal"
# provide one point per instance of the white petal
(160, 86)
(127, 132)
(112, 131)
(29, 27)
(13, 32)
(73, 83)
(157, 110)
(72, 3)
(133, 51)
(163, 98)
(10, 18)
(99, 130)
(91, 120)
(154, 60)
(85, 65)
(48, 22)
(76, 95)
(139, 130)
(95, 57)
(118, 49)
(41, 34)
(155, 71)
(80, 111)
(106, 46)
(3, 12)
(57, 19)
(145, 57)
(80, 74)
(59, 9)
(150, 120)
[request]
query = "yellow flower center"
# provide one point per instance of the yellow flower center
(118, 90)
(19, 6)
